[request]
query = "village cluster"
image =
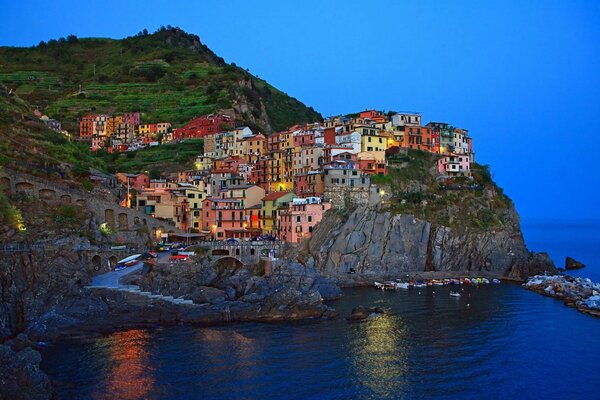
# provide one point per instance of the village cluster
(247, 185)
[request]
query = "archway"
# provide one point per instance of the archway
(47, 194)
(228, 262)
(5, 185)
(123, 221)
(109, 217)
(113, 260)
(80, 202)
(97, 262)
(65, 199)
(24, 188)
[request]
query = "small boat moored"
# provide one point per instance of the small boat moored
(454, 294)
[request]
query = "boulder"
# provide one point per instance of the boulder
(361, 312)
(20, 375)
(571, 263)
(207, 294)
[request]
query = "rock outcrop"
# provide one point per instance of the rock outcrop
(372, 244)
(580, 293)
(361, 312)
(291, 292)
(571, 263)
(20, 375)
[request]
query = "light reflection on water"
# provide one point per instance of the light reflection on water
(494, 342)
(379, 355)
(130, 376)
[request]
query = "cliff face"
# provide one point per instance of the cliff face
(370, 244)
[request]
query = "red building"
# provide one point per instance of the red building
(372, 166)
(204, 125)
(329, 135)
(373, 115)
(304, 139)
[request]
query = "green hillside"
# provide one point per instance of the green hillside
(168, 75)
(27, 144)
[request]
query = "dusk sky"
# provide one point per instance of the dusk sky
(522, 76)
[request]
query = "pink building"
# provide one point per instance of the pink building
(455, 165)
(136, 181)
(132, 119)
(298, 221)
(226, 218)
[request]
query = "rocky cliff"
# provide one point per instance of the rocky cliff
(371, 243)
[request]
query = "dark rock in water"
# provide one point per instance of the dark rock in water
(361, 312)
(571, 263)
(20, 375)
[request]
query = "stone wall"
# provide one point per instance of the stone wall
(351, 197)
(125, 223)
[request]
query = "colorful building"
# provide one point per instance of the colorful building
(299, 220)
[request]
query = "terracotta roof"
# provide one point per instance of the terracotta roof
(274, 196)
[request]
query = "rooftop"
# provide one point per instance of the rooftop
(275, 195)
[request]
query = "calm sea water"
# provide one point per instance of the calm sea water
(495, 342)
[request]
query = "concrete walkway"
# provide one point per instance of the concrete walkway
(111, 279)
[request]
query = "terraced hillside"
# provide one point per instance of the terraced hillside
(168, 75)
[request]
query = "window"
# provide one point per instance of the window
(310, 218)
(298, 219)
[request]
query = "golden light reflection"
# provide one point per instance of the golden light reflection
(379, 355)
(130, 377)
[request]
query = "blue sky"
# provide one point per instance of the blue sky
(522, 76)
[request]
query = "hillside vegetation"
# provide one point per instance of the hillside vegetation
(168, 75)
(460, 202)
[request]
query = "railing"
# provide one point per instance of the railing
(253, 243)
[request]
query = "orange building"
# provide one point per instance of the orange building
(86, 125)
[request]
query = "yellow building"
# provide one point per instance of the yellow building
(373, 143)
(204, 163)
(256, 146)
(272, 205)
(143, 129)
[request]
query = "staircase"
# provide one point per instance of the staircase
(149, 295)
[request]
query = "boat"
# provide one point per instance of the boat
(420, 285)
(130, 263)
(466, 281)
(435, 282)
(496, 281)
(130, 258)
(454, 294)
(486, 280)
(479, 280)
(379, 285)
(402, 285)
(474, 281)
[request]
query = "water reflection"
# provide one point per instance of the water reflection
(230, 351)
(130, 376)
(379, 355)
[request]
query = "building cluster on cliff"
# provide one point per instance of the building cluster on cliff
(247, 185)
(123, 132)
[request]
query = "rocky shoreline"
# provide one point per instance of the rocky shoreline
(580, 293)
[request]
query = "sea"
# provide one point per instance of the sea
(494, 342)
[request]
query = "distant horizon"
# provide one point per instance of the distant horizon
(522, 78)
